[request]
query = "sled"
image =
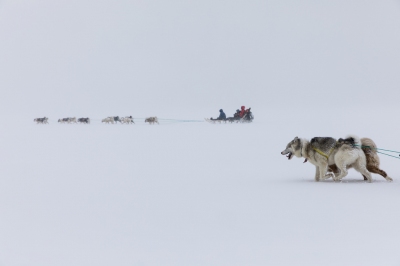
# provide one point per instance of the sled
(247, 118)
(215, 121)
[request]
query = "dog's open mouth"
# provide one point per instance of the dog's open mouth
(289, 156)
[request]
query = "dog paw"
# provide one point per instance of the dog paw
(329, 175)
(389, 179)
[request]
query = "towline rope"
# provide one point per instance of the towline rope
(180, 120)
(389, 155)
(372, 148)
(160, 119)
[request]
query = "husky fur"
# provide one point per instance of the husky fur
(68, 120)
(108, 120)
(373, 162)
(370, 150)
(325, 151)
(151, 120)
(43, 120)
(116, 119)
(84, 120)
(63, 120)
(127, 120)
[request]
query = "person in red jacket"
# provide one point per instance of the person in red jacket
(242, 111)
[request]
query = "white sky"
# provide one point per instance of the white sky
(191, 58)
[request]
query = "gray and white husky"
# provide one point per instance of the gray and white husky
(325, 151)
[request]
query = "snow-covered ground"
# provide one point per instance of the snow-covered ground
(193, 194)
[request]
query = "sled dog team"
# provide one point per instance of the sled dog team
(68, 120)
(116, 119)
(86, 120)
(128, 120)
(332, 157)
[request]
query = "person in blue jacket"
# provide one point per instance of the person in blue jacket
(222, 115)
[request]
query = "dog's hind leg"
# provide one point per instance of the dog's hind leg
(367, 174)
(376, 170)
(363, 170)
(334, 169)
(342, 160)
(343, 171)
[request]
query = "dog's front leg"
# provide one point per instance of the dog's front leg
(316, 173)
(323, 169)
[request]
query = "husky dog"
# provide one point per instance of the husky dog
(116, 119)
(43, 120)
(151, 120)
(68, 120)
(108, 120)
(84, 120)
(325, 151)
(370, 150)
(64, 120)
(127, 120)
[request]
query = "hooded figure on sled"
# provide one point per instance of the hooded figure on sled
(241, 116)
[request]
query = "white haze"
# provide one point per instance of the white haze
(170, 58)
(194, 193)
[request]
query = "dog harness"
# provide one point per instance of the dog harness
(324, 154)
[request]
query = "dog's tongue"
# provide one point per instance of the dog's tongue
(305, 160)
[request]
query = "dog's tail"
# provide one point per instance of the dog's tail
(368, 145)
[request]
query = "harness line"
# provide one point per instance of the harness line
(324, 154)
(372, 148)
(388, 155)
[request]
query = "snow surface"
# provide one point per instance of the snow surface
(191, 194)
